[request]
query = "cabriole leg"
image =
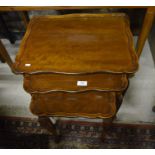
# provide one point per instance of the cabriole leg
(107, 124)
(51, 126)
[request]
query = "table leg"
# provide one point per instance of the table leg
(45, 122)
(5, 56)
(153, 108)
(25, 18)
(106, 128)
(2, 59)
(146, 27)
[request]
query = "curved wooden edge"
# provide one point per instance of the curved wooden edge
(72, 91)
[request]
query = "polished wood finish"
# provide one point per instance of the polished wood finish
(43, 83)
(42, 99)
(78, 47)
(78, 43)
(91, 104)
(147, 24)
(96, 48)
(143, 34)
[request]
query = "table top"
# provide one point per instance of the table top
(78, 44)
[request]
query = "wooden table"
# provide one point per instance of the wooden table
(147, 23)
